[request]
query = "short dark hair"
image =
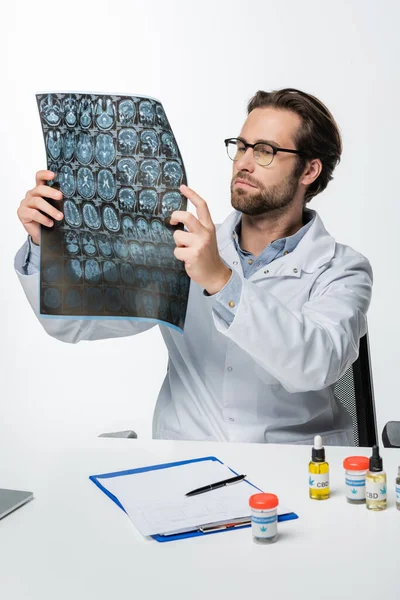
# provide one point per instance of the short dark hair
(318, 136)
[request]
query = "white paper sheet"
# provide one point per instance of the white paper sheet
(156, 503)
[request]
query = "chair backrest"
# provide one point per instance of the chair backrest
(355, 391)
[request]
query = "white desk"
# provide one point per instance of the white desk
(72, 542)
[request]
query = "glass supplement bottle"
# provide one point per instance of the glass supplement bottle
(375, 483)
(356, 470)
(318, 472)
(398, 489)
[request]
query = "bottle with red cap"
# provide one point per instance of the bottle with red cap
(356, 470)
(264, 517)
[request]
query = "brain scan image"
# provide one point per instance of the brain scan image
(149, 172)
(126, 171)
(146, 113)
(142, 278)
(67, 180)
(89, 244)
(142, 229)
(168, 146)
(119, 168)
(91, 216)
(110, 272)
(149, 143)
(128, 228)
(72, 214)
(148, 201)
(137, 253)
(157, 230)
(127, 141)
(170, 201)
(106, 185)
(68, 146)
(127, 200)
(121, 248)
(161, 117)
(105, 113)
(73, 270)
(70, 110)
(52, 272)
(110, 218)
(92, 271)
(51, 110)
(85, 112)
(126, 113)
(105, 245)
(54, 144)
(72, 243)
(113, 298)
(52, 298)
(127, 274)
(172, 174)
(73, 300)
(84, 149)
(85, 183)
(151, 255)
(105, 149)
(94, 300)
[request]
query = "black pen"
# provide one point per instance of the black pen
(216, 485)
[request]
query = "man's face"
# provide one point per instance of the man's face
(257, 190)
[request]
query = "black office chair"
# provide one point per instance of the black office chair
(355, 391)
(391, 434)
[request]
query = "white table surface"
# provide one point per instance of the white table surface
(72, 542)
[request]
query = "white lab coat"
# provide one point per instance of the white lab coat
(269, 376)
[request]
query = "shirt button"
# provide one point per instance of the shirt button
(229, 368)
(266, 272)
(231, 419)
(235, 262)
(286, 252)
(231, 303)
(250, 261)
(295, 270)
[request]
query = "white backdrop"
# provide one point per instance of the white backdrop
(203, 61)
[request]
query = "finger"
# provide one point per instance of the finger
(201, 205)
(183, 238)
(182, 254)
(43, 176)
(182, 216)
(47, 192)
(29, 215)
(46, 207)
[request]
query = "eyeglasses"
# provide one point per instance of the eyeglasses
(263, 153)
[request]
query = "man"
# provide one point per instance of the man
(276, 306)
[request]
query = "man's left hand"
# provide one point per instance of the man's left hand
(197, 247)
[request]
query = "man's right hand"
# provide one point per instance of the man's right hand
(29, 210)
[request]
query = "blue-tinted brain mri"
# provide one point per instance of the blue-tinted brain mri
(149, 172)
(148, 201)
(149, 143)
(84, 149)
(126, 171)
(119, 169)
(105, 149)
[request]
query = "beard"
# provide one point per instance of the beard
(263, 200)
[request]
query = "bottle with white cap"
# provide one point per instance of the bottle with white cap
(318, 472)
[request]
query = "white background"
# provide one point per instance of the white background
(203, 61)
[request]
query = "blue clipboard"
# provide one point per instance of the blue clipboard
(195, 533)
